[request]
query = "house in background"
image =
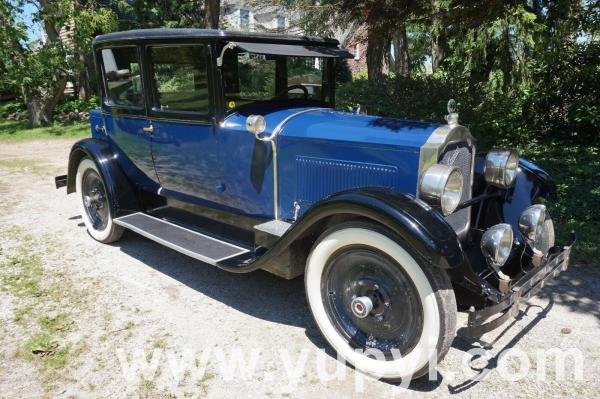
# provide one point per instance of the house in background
(243, 16)
(240, 15)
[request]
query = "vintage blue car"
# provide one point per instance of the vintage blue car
(226, 147)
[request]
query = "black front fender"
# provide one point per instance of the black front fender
(418, 225)
(121, 194)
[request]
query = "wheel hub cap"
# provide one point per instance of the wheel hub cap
(361, 306)
(94, 199)
(371, 301)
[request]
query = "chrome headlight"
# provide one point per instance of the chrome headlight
(496, 244)
(442, 185)
(531, 221)
(501, 168)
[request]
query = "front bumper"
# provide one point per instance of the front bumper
(484, 320)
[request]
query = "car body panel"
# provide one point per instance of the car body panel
(320, 152)
(186, 158)
(325, 151)
(126, 134)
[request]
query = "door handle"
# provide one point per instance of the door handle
(148, 129)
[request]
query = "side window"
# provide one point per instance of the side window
(122, 78)
(180, 78)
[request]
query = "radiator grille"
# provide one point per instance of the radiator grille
(461, 156)
(319, 177)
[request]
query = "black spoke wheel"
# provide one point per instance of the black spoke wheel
(94, 199)
(395, 319)
(94, 203)
(375, 302)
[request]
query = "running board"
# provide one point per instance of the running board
(189, 242)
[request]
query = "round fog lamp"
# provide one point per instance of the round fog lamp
(496, 244)
(531, 221)
(441, 186)
(501, 168)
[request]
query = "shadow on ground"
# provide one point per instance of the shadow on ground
(263, 295)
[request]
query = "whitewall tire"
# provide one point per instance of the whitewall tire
(94, 203)
(411, 310)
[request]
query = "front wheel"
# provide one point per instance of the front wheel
(376, 305)
(94, 204)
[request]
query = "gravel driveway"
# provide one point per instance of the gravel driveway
(134, 319)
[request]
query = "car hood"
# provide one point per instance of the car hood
(327, 124)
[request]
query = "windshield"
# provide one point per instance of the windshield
(250, 77)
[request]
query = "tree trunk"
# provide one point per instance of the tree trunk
(83, 78)
(212, 11)
(376, 51)
(401, 53)
(438, 40)
(41, 102)
(49, 28)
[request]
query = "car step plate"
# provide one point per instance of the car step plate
(189, 242)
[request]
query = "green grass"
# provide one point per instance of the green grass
(24, 165)
(18, 131)
(41, 308)
(22, 275)
(47, 349)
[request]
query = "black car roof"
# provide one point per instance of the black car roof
(188, 33)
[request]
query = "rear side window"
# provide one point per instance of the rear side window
(122, 78)
(180, 78)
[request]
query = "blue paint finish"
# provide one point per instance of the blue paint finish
(96, 119)
(329, 125)
(391, 144)
(320, 152)
(316, 178)
(246, 168)
(354, 151)
(133, 147)
(186, 158)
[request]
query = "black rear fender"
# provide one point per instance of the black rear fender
(121, 194)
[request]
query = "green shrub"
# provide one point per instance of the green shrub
(552, 118)
(11, 107)
(71, 104)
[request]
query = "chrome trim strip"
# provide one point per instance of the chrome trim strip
(271, 138)
(203, 121)
(434, 147)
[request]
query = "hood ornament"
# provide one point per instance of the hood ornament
(452, 117)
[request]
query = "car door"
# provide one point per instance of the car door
(124, 111)
(184, 145)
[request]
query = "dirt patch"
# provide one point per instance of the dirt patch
(133, 319)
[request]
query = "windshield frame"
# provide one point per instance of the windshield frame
(328, 83)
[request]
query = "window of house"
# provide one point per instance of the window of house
(244, 19)
(280, 22)
(180, 78)
(122, 78)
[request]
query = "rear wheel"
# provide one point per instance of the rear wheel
(376, 305)
(94, 204)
